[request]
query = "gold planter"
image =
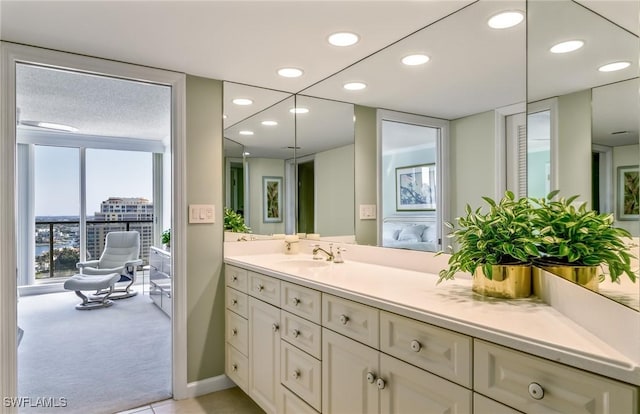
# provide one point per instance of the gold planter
(585, 276)
(508, 281)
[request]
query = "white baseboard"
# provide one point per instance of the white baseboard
(209, 385)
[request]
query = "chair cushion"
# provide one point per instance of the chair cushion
(91, 282)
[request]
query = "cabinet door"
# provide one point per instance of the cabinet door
(408, 389)
(264, 354)
(345, 367)
(533, 385)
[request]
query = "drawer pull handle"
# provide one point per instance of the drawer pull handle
(234, 302)
(296, 374)
(536, 391)
(295, 333)
(371, 377)
(234, 367)
(344, 319)
(234, 332)
(260, 288)
(295, 301)
(234, 278)
(380, 383)
(275, 327)
(416, 346)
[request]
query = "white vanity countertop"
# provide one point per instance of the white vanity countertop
(528, 325)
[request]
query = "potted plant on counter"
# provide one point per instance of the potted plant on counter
(496, 247)
(574, 242)
(234, 222)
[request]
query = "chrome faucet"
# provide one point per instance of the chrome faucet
(317, 249)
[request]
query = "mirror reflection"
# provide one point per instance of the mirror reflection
(583, 117)
(325, 168)
(259, 157)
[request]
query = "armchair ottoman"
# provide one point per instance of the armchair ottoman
(80, 282)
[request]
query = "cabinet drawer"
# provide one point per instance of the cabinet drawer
(292, 404)
(264, 288)
(301, 301)
(445, 353)
(483, 405)
(531, 384)
(357, 321)
(302, 333)
(237, 332)
(236, 301)
(236, 278)
(237, 367)
(301, 373)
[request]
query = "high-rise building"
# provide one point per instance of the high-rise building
(119, 214)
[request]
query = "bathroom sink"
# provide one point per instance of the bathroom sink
(300, 265)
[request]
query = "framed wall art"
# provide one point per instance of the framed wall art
(416, 187)
(628, 198)
(272, 199)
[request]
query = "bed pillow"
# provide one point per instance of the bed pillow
(429, 234)
(412, 233)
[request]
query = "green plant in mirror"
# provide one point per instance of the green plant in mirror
(501, 236)
(576, 236)
(234, 222)
(166, 237)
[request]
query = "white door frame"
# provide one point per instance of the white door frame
(10, 54)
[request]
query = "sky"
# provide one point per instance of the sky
(110, 173)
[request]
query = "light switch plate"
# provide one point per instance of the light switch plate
(367, 212)
(202, 213)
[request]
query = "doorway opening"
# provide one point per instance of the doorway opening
(93, 157)
(306, 197)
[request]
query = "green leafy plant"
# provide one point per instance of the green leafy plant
(234, 222)
(502, 236)
(576, 236)
(166, 237)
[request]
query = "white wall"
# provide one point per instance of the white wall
(258, 168)
(335, 192)
(574, 145)
(472, 154)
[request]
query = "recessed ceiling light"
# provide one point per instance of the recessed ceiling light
(50, 125)
(246, 153)
(242, 101)
(506, 19)
(245, 132)
(269, 123)
(344, 39)
(224, 116)
(299, 110)
(612, 67)
(566, 47)
(354, 86)
(290, 72)
(414, 60)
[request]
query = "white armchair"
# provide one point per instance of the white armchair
(121, 255)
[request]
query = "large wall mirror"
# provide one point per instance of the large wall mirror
(575, 125)
(583, 116)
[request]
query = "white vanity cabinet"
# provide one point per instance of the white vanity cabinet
(295, 349)
(360, 379)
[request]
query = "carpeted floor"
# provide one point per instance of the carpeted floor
(99, 361)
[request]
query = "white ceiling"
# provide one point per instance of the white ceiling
(472, 69)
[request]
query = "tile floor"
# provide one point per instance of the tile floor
(230, 401)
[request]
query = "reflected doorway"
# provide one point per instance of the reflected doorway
(306, 197)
